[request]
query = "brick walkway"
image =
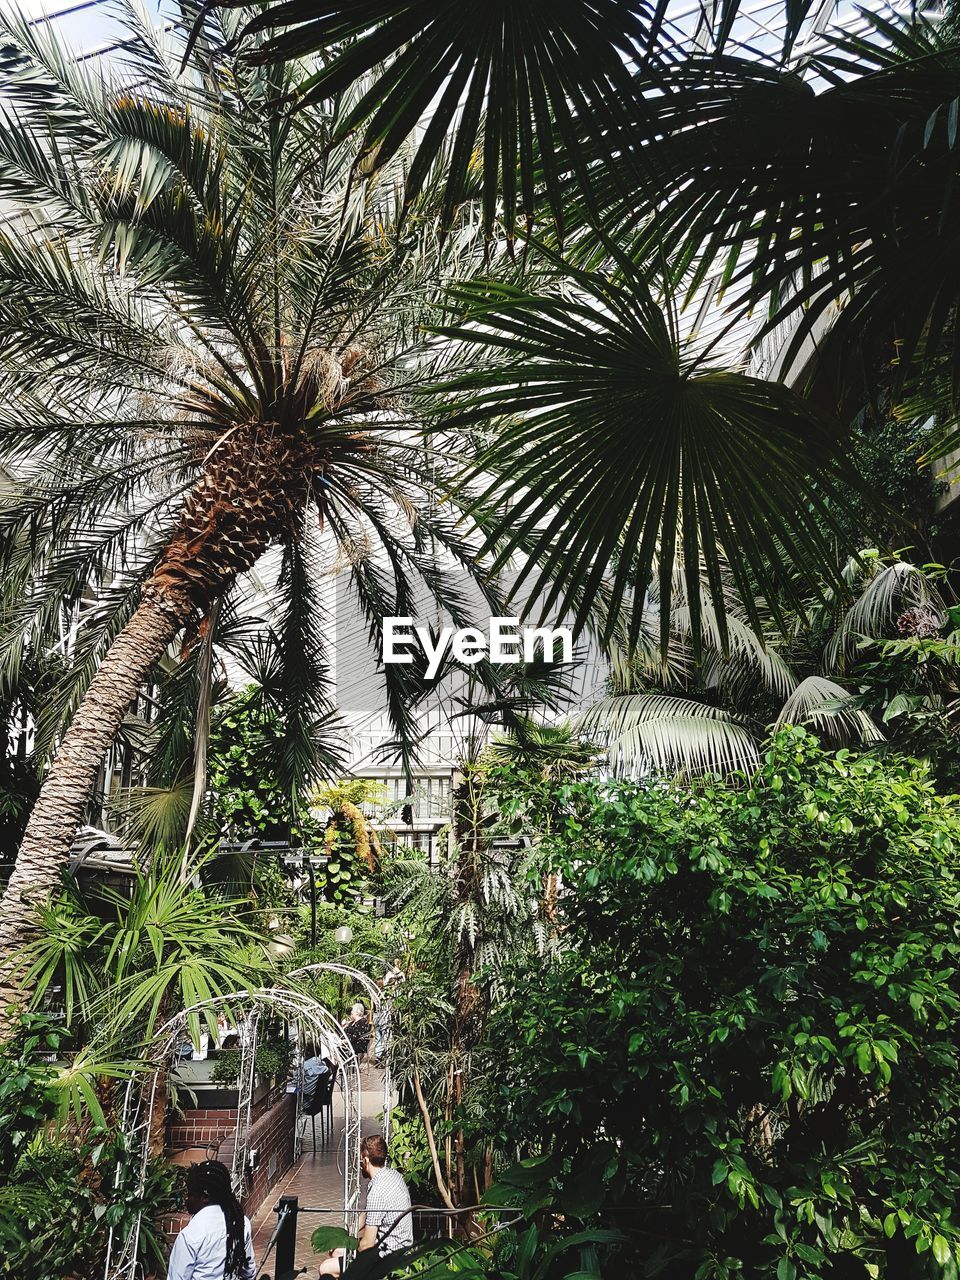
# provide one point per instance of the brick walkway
(317, 1179)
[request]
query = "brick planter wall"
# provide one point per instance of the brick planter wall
(272, 1138)
(208, 1133)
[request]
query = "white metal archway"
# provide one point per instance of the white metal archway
(122, 1262)
(378, 1001)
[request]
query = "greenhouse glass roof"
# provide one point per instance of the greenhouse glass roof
(90, 28)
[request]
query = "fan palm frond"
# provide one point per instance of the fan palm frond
(615, 433)
(501, 81)
(154, 817)
(824, 201)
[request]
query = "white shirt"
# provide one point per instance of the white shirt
(200, 1250)
(388, 1209)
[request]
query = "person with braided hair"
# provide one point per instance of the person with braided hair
(217, 1242)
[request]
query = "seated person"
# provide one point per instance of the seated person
(386, 1224)
(313, 1071)
(358, 1029)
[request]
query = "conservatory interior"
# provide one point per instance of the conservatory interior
(480, 640)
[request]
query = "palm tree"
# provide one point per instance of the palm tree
(618, 439)
(709, 714)
(552, 754)
(207, 345)
(201, 359)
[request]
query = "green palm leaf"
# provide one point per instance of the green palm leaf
(889, 592)
(501, 80)
(830, 709)
(618, 448)
(648, 732)
(795, 194)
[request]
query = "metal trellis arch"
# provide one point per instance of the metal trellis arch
(379, 1003)
(123, 1248)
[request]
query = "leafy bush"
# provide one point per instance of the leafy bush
(271, 1061)
(410, 1151)
(248, 799)
(752, 1037)
(62, 1188)
(26, 1099)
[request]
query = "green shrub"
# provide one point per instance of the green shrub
(63, 1188)
(410, 1152)
(750, 1042)
(271, 1062)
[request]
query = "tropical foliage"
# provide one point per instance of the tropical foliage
(127, 961)
(261, 327)
(21, 701)
(679, 169)
(237, 348)
(873, 665)
(64, 1181)
(407, 293)
(466, 923)
(749, 1036)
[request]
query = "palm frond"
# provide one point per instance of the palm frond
(501, 81)
(830, 709)
(610, 430)
(889, 593)
(824, 201)
(658, 733)
(737, 648)
(154, 818)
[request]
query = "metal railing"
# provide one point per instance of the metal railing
(429, 1223)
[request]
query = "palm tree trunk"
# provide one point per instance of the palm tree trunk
(251, 489)
(60, 807)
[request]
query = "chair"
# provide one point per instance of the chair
(321, 1104)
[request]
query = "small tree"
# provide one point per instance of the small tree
(752, 1036)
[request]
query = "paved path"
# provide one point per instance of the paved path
(317, 1179)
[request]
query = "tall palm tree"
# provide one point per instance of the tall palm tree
(202, 356)
(208, 347)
